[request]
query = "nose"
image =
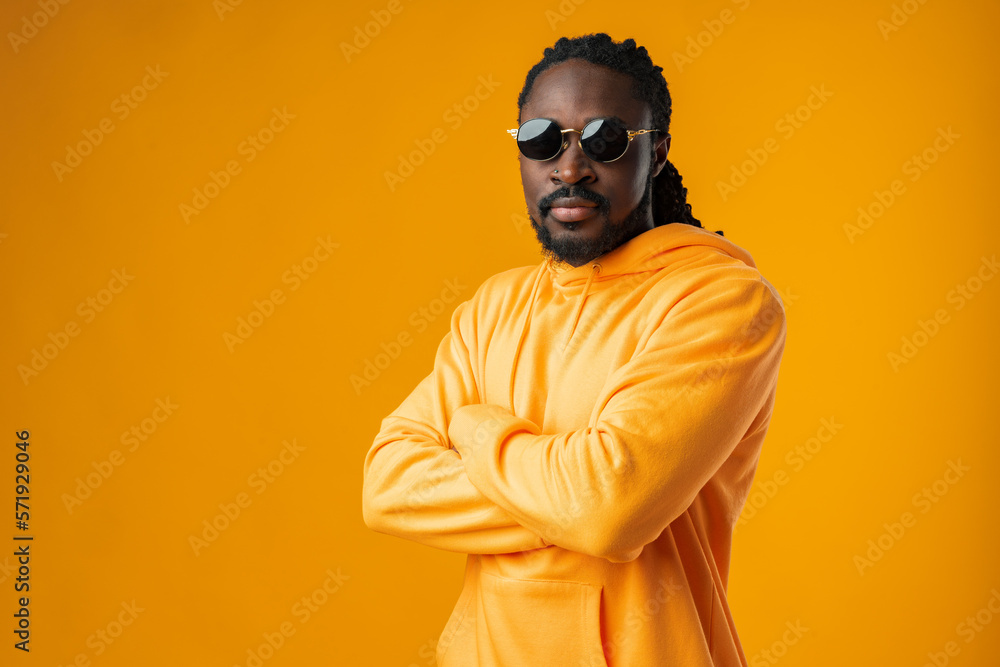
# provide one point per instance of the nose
(573, 165)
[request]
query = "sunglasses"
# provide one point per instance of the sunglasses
(602, 139)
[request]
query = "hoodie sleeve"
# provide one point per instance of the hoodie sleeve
(668, 420)
(415, 485)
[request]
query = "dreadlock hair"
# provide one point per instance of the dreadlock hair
(648, 85)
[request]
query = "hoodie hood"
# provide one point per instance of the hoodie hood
(649, 251)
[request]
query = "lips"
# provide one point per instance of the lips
(572, 209)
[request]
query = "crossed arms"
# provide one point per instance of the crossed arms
(451, 472)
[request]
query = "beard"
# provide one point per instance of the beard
(578, 251)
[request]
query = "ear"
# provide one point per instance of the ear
(660, 149)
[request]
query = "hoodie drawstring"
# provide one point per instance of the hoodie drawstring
(524, 328)
(595, 269)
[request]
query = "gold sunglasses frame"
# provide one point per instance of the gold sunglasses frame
(632, 134)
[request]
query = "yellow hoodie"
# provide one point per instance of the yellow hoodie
(589, 436)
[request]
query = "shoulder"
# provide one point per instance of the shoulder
(506, 285)
(495, 298)
(707, 280)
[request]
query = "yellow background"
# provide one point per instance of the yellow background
(459, 216)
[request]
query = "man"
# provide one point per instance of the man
(592, 425)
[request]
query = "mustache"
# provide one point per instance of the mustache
(545, 203)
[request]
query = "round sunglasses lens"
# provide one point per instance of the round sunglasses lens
(604, 140)
(539, 139)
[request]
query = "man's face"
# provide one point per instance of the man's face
(573, 93)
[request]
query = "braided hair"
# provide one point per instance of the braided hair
(649, 86)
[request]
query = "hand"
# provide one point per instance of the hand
(474, 425)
